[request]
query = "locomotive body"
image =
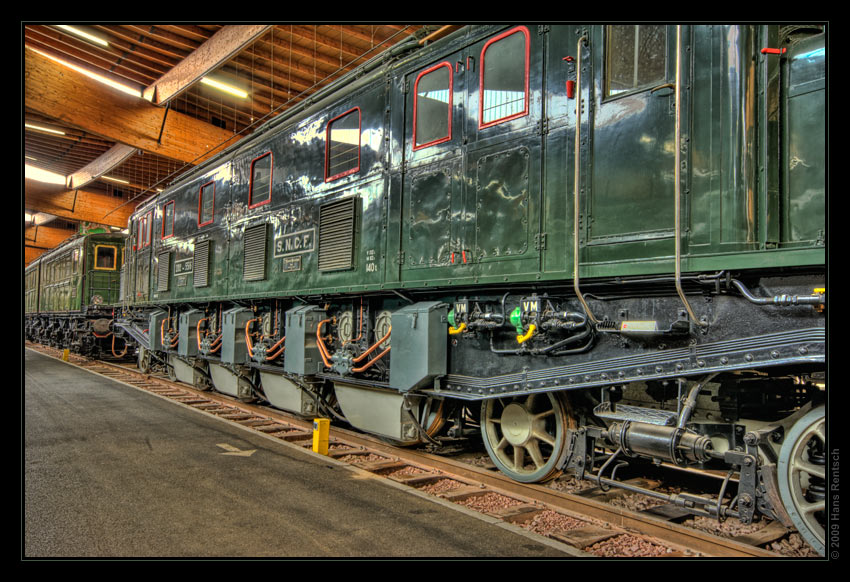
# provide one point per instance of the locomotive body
(70, 293)
(604, 237)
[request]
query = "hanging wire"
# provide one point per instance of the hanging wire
(177, 170)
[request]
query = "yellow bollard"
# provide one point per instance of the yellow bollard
(321, 427)
(65, 353)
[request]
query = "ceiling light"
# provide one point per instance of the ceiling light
(45, 129)
(224, 87)
(115, 179)
(135, 92)
(34, 173)
(83, 34)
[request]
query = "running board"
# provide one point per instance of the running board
(806, 346)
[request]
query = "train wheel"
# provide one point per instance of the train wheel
(526, 437)
(144, 360)
(802, 476)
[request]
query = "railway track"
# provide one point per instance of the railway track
(586, 521)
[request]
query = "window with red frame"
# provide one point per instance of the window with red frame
(260, 191)
(432, 106)
(504, 78)
(145, 228)
(167, 220)
(206, 204)
(343, 145)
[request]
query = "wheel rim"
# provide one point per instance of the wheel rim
(802, 474)
(526, 436)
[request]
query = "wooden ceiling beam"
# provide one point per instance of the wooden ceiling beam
(103, 164)
(61, 93)
(78, 205)
(84, 55)
(46, 237)
(219, 49)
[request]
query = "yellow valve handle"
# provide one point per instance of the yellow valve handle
(524, 338)
(457, 330)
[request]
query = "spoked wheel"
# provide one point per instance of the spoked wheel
(144, 360)
(802, 477)
(526, 436)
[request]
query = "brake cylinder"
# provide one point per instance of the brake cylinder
(668, 443)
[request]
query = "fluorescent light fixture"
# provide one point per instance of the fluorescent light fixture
(224, 87)
(83, 34)
(34, 173)
(45, 129)
(114, 84)
(114, 179)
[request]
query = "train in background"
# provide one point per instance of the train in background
(591, 245)
(71, 293)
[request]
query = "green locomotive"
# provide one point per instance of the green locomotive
(70, 294)
(568, 239)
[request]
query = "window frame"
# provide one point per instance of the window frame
(527, 108)
(328, 144)
(607, 95)
(427, 71)
(114, 258)
(268, 200)
(146, 229)
(162, 235)
(201, 203)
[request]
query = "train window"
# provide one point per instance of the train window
(504, 77)
(636, 57)
(167, 220)
(432, 106)
(105, 258)
(206, 204)
(260, 191)
(342, 155)
(145, 228)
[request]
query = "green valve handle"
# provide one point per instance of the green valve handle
(516, 320)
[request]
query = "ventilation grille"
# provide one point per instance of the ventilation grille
(336, 235)
(164, 268)
(254, 260)
(201, 264)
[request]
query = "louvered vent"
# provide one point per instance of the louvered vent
(163, 270)
(201, 264)
(254, 260)
(336, 235)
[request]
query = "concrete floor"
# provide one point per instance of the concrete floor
(111, 471)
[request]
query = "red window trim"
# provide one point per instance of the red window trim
(416, 102)
(328, 144)
(201, 203)
(481, 124)
(251, 181)
(162, 235)
(146, 229)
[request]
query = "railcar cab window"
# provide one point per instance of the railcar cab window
(504, 78)
(167, 220)
(636, 57)
(206, 204)
(432, 106)
(145, 228)
(342, 154)
(105, 258)
(260, 191)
